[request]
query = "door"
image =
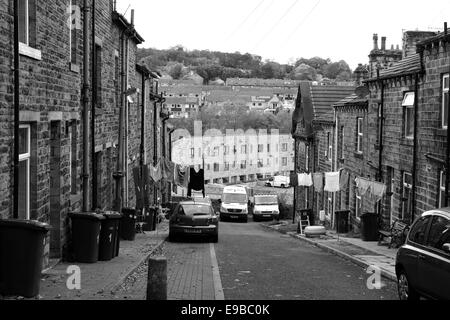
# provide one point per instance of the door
(434, 267)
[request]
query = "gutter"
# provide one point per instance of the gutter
(16, 111)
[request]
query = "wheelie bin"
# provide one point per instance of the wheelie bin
(109, 236)
(86, 236)
(22, 245)
(150, 219)
(369, 226)
(128, 224)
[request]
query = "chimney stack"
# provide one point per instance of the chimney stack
(375, 41)
(392, 47)
(383, 43)
(132, 17)
(398, 48)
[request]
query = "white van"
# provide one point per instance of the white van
(265, 206)
(234, 203)
(279, 181)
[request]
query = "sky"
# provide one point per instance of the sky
(283, 30)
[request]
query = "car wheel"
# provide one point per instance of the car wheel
(283, 186)
(405, 291)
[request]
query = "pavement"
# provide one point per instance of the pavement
(363, 253)
(101, 280)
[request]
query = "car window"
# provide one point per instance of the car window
(197, 209)
(417, 233)
(439, 232)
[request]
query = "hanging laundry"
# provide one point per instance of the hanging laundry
(318, 181)
(305, 180)
(378, 190)
(155, 172)
(343, 180)
(332, 181)
(196, 181)
(293, 179)
(363, 186)
(182, 176)
(168, 170)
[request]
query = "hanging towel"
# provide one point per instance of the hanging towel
(182, 176)
(293, 179)
(168, 171)
(363, 186)
(305, 180)
(318, 181)
(343, 180)
(332, 181)
(378, 190)
(155, 172)
(196, 181)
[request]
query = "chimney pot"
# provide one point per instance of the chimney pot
(398, 47)
(375, 41)
(132, 17)
(383, 43)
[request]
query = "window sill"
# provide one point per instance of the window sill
(74, 68)
(27, 51)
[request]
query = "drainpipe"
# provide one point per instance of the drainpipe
(155, 138)
(85, 108)
(295, 187)
(144, 78)
(416, 117)
(447, 169)
(94, 76)
(16, 111)
(380, 151)
(335, 162)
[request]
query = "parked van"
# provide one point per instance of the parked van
(279, 181)
(234, 203)
(265, 206)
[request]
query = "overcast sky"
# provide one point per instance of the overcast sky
(283, 30)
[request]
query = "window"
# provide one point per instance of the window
(307, 158)
(358, 206)
(342, 142)
(24, 171)
(243, 164)
(442, 180)
(417, 233)
(284, 147)
(208, 167)
(408, 105)
(98, 76)
(226, 166)
(439, 232)
(284, 162)
(359, 138)
(216, 167)
(407, 194)
(73, 32)
(27, 21)
(244, 149)
(260, 163)
(99, 166)
(73, 156)
(260, 148)
(445, 93)
(192, 152)
(307, 198)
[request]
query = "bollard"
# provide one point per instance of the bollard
(157, 279)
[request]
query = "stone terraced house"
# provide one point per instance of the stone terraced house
(52, 93)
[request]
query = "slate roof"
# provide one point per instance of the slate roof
(408, 65)
(323, 99)
(352, 100)
(262, 82)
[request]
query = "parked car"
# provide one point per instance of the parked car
(278, 181)
(423, 262)
(200, 198)
(234, 203)
(194, 218)
(265, 206)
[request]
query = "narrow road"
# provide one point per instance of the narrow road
(259, 264)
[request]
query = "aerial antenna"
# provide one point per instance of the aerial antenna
(127, 10)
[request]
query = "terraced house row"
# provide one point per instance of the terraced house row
(393, 129)
(86, 112)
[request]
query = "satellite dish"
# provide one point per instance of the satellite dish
(362, 91)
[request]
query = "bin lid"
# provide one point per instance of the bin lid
(86, 215)
(25, 224)
(111, 215)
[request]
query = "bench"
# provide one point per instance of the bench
(397, 234)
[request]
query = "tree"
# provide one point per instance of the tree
(304, 72)
(332, 70)
(176, 71)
